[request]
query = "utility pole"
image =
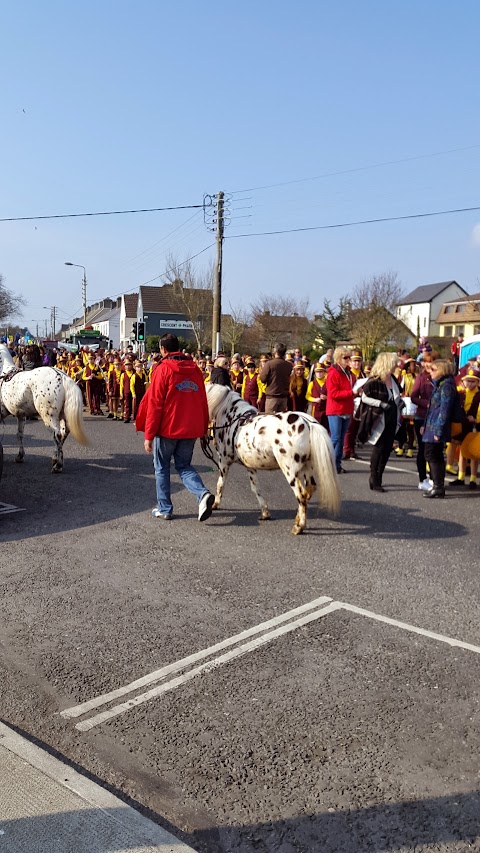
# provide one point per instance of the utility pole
(217, 279)
(84, 297)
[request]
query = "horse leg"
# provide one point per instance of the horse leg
(52, 422)
(301, 490)
(20, 430)
(265, 512)
(57, 460)
(223, 469)
(302, 495)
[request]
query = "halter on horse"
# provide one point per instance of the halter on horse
(291, 441)
(47, 392)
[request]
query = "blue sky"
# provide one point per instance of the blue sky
(114, 105)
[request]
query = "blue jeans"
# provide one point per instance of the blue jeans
(182, 451)
(338, 427)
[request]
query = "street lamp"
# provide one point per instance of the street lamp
(84, 288)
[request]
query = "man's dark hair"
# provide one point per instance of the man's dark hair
(169, 342)
(280, 350)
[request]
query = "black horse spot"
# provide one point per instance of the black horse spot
(292, 482)
(279, 431)
(282, 450)
(297, 457)
(277, 441)
(304, 459)
(301, 427)
(292, 418)
(261, 430)
(312, 481)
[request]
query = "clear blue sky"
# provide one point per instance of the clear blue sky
(109, 105)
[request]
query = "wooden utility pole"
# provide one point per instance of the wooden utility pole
(217, 280)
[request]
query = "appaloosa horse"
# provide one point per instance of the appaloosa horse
(291, 441)
(47, 392)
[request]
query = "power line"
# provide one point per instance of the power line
(163, 273)
(162, 239)
(358, 222)
(358, 169)
(101, 213)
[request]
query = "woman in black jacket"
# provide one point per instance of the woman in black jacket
(382, 404)
(220, 374)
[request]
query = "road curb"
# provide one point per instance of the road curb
(46, 796)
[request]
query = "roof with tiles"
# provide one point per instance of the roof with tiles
(427, 292)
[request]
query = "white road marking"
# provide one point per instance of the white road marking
(159, 674)
(442, 638)
(6, 509)
(394, 468)
(266, 631)
(85, 725)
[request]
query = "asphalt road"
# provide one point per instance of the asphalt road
(322, 731)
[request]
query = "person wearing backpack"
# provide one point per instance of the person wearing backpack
(436, 430)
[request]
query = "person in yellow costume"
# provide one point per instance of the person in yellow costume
(469, 393)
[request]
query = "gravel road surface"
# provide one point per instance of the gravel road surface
(353, 730)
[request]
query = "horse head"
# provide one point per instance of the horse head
(216, 396)
(6, 360)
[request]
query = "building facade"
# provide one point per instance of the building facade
(419, 310)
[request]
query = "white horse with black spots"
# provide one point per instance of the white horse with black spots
(291, 441)
(47, 392)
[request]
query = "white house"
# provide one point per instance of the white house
(128, 315)
(419, 310)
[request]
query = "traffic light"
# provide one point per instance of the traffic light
(141, 331)
(134, 331)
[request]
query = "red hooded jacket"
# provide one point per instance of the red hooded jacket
(175, 404)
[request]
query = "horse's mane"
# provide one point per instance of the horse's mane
(221, 399)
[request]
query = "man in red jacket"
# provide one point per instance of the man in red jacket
(173, 414)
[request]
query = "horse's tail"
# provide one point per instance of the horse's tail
(325, 469)
(73, 409)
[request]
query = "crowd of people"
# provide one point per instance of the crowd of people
(420, 405)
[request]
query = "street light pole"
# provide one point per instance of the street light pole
(84, 288)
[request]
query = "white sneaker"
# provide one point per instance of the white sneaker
(425, 485)
(205, 507)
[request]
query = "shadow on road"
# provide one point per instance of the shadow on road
(448, 824)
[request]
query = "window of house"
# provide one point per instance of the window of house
(476, 330)
(424, 322)
(460, 330)
(448, 331)
(460, 308)
(449, 309)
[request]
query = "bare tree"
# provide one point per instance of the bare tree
(234, 326)
(9, 304)
(373, 322)
(192, 295)
(280, 318)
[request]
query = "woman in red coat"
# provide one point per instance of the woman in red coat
(340, 382)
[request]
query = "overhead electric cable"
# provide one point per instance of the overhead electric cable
(358, 169)
(100, 213)
(358, 222)
(162, 239)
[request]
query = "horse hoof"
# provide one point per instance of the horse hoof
(57, 469)
(18, 458)
(296, 530)
(215, 505)
(265, 516)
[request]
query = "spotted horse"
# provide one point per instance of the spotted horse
(291, 441)
(44, 391)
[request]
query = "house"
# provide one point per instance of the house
(183, 311)
(104, 316)
(128, 316)
(292, 330)
(460, 317)
(419, 310)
